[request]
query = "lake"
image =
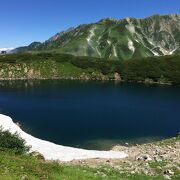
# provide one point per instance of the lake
(92, 115)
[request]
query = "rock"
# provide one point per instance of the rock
(127, 144)
(146, 172)
(167, 177)
(117, 77)
(163, 156)
(25, 70)
(157, 159)
(38, 155)
(147, 164)
(24, 177)
(145, 157)
(168, 172)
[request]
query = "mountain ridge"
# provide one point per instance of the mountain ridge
(117, 39)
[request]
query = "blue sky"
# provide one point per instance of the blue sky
(24, 21)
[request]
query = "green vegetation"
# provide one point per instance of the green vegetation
(28, 167)
(12, 142)
(170, 141)
(158, 165)
(161, 70)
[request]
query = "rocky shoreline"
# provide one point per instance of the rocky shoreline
(153, 159)
(105, 79)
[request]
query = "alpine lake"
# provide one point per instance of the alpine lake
(92, 114)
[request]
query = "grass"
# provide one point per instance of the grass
(158, 166)
(17, 166)
(170, 141)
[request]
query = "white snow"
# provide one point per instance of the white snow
(131, 45)
(167, 52)
(98, 42)
(89, 40)
(98, 52)
(171, 52)
(114, 51)
(154, 52)
(141, 41)
(131, 28)
(109, 42)
(91, 35)
(52, 151)
(158, 45)
(161, 45)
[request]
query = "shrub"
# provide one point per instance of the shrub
(12, 142)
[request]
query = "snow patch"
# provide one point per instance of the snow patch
(167, 52)
(98, 42)
(91, 35)
(131, 45)
(109, 42)
(89, 40)
(154, 52)
(52, 151)
(114, 51)
(141, 40)
(98, 51)
(131, 28)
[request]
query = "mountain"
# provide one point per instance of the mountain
(117, 39)
(32, 47)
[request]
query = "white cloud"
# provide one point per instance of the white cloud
(6, 49)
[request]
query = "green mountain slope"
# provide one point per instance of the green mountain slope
(117, 39)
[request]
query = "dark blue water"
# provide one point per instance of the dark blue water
(92, 114)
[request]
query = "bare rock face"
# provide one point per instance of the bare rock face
(117, 77)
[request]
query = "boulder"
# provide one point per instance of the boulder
(144, 157)
(117, 77)
(25, 177)
(37, 155)
(168, 172)
(167, 177)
